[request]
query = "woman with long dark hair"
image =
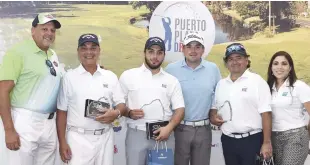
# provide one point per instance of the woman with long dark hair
(290, 96)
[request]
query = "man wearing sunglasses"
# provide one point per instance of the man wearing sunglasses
(244, 112)
(198, 79)
(29, 83)
(84, 140)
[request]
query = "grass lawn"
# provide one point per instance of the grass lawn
(303, 18)
(122, 44)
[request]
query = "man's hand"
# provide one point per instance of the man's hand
(65, 152)
(12, 140)
(266, 150)
(136, 114)
(216, 119)
(164, 133)
(108, 117)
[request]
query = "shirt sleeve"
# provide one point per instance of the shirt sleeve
(11, 67)
(63, 94)
(177, 100)
(118, 94)
(218, 77)
(123, 86)
(303, 91)
(264, 96)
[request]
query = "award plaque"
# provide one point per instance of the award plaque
(94, 108)
(225, 111)
(154, 112)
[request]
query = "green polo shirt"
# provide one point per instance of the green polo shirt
(35, 87)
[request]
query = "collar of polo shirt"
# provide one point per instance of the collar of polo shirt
(34, 48)
(202, 64)
(82, 70)
(246, 74)
(286, 83)
(144, 68)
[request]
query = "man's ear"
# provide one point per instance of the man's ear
(32, 31)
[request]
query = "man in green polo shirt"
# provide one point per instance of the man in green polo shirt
(29, 83)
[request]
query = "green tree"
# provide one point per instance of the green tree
(151, 5)
(280, 9)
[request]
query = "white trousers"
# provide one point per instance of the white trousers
(38, 137)
(90, 149)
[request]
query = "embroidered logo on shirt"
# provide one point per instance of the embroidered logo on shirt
(164, 85)
(244, 89)
(284, 93)
(105, 85)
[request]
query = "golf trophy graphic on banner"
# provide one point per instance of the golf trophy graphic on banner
(225, 111)
(94, 108)
(154, 112)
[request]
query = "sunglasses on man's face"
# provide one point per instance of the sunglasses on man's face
(50, 65)
(235, 48)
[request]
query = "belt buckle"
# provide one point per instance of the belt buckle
(80, 130)
(100, 131)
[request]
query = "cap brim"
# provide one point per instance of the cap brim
(192, 40)
(236, 52)
(56, 23)
(80, 44)
(161, 46)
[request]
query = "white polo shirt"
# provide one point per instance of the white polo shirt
(79, 85)
(287, 105)
(249, 96)
(141, 87)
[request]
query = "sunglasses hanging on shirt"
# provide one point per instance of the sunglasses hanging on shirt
(51, 67)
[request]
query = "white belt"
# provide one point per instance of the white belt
(88, 131)
(34, 113)
(243, 135)
(138, 127)
(196, 123)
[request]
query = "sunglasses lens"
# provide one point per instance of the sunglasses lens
(53, 71)
(50, 65)
(235, 48)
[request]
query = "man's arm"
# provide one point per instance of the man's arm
(130, 113)
(5, 105)
(177, 102)
(264, 100)
(61, 123)
(164, 132)
(215, 119)
(11, 136)
(61, 119)
(266, 120)
(119, 101)
(176, 118)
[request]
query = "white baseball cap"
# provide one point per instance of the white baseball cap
(193, 37)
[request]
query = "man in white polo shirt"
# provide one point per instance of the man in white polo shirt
(151, 94)
(244, 112)
(88, 141)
